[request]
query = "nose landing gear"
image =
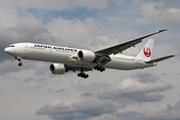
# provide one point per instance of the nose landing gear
(19, 59)
(20, 64)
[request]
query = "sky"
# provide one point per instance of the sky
(32, 92)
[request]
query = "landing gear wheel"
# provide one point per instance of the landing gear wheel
(19, 59)
(20, 64)
(96, 67)
(99, 68)
(86, 76)
(79, 74)
(102, 69)
(82, 74)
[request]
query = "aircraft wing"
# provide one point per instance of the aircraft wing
(123, 46)
(159, 59)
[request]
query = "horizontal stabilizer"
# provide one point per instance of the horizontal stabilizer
(159, 59)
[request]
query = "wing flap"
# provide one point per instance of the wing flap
(159, 59)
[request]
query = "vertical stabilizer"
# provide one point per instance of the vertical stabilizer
(146, 52)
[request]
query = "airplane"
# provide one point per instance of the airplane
(71, 59)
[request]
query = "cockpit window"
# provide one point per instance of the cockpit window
(11, 45)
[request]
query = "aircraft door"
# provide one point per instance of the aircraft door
(25, 47)
(51, 50)
(137, 63)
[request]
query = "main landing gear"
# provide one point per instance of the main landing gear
(82, 74)
(19, 59)
(99, 68)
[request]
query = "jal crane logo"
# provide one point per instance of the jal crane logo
(147, 51)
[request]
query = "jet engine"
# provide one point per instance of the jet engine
(86, 55)
(57, 69)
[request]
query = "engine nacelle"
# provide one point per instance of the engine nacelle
(86, 55)
(57, 69)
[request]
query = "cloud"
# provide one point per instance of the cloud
(93, 4)
(23, 30)
(163, 112)
(166, 13)
(93, 86)
(9, 17)
(66, 109)
(128, 115)
(146, 97)
(136, 90)
(8, 66)
(56, 91)
(54, 4)
(174, 43)
(1, 92)
(29, 29)
(114, 19)
(87, 94)
(146, 77)
(100, 42)
(72, 30)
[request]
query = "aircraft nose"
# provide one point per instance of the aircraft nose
(9, 50)
(6, 50)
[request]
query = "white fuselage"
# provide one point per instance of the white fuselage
(57, 54)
